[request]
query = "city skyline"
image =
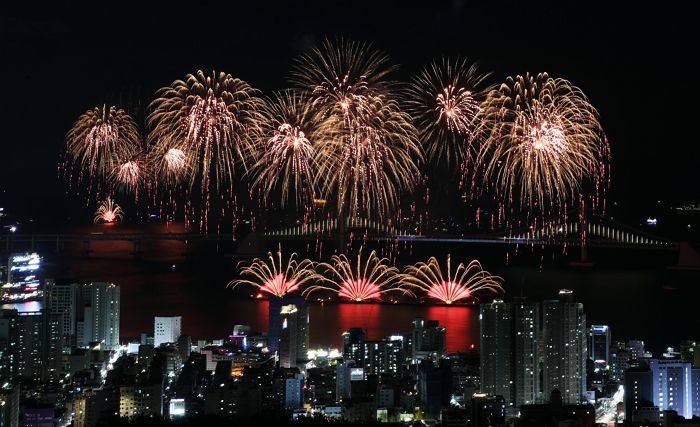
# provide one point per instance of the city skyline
(281, 213)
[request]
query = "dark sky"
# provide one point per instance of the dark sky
(635, 64)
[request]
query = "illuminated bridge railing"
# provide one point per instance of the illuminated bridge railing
(330, 225)
(594, 231)
(600, 235)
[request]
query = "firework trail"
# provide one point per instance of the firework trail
(341, 75)
(444, 100)
(203, 127)
(542, 141)
(100, 139)
(466, 281)
(130, 177)
(364, 281)
(290, 130)
(275, 277)
(375, 154)
(108, 212)
(367, 168)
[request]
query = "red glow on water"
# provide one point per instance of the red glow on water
(461, 325)
(365, 316)
(261, 315)
(329, 321)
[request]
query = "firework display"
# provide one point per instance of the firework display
(542, 140)
(108, 212)
(341, 75)
(130, 176)
(291, 128)
(444, 100)
(275, 277)
(462, 283)
(375, 154)
(367, 168)
(346, 144)
(204, 127)
(99, 140)
(363, 280)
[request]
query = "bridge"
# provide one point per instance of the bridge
(601, 233)
(327, 226)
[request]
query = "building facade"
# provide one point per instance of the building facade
(427, 340)
(672, 386)
(166, 330)
(496, 331)
(100, 322)
(599, 345)
(294, 335)
(565, 350)
(526, 334)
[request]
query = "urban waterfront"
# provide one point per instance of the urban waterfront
(164, 280)
(411, 214)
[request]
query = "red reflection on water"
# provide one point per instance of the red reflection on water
(461, 328)
(263, 313)
(362, 315)
(329, 321)
(163, 281)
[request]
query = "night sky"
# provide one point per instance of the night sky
(636, 66)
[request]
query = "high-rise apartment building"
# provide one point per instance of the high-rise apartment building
(100, 321)
(385, 356)
(526, 364)
(565, 350)
(496, 330)
(354, 345)
(64, 301)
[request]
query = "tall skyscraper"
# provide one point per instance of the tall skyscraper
(166, 330)
(526, 333)
(294, 335)
(496, 327)
(565, 350)
(29, 344)
(599, 345)
(54, 344)
(100, 315)
(275, 320)
(63, 301)
(354, 345)
(30, 340)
